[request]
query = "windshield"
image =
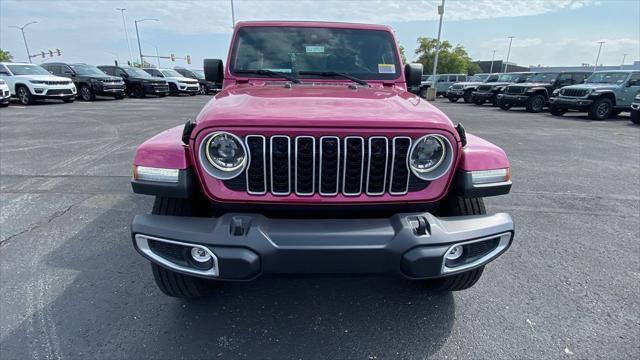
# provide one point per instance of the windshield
(607, 78)
(131, 71)
(544, 77)
(27, 69)
(366, 54)
(426, 77)
(83, 69)
(170, 73)
(477, 78)
(509, 77)
(198, 73)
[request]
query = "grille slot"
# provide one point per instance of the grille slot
(353, 166)
(305, 165)
(329, 165)
(377, 165)
(399, 183)
(280, 152)
(257, 170)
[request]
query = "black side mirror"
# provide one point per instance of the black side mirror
(69, 72)
(213, 70)
(633, 82)
(4, 73)
(413, 74)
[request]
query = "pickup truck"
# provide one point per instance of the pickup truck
(315, 159)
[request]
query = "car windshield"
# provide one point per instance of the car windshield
(170, 73)
(477, 78)
(83, 69)
(426, 77)
(31, 69)
(544, 77)
(199, 74)
(131, 71)
(365, 54)
(509, 77)
(607, 78)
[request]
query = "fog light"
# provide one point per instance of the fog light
(39, 91)
(455, 253)
(200, 254)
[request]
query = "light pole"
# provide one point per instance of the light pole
(492, 57)
(431, 91)
(508, 53)
(138, 36)
(233, 15)
(126, 34)
(21, 28)
(623, 59)
(598, 56)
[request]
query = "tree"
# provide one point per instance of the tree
(402, 56)
(451, 60)
(5, 56)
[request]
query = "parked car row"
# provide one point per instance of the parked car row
(601, 94)
(57, 80)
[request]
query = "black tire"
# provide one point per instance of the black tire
(635, 116)
(494, 100)
(204, 89)
(467, 96)
(173, 90)
(137, 91)
(453, 99)
(504, 106)
(24, 95)
(86, 93)
(170, 282)
(536, 103)
(556, 111)
(601, 109)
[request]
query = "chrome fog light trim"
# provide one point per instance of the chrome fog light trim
(142, 242)
(503, 244)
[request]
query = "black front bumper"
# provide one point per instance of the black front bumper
(156, 89)
(109, 90)
(246, 245)
(513, 100)
(484, 96)
(570, 103)
(455, 93)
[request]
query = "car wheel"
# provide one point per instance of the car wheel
(173, 90)
(453, 99)
(635, 117)
(86, 93)
(504, 106)
(137, 91)
(536, 103)
(556, 111)
(24, 95)
(467, 97)
(601, 109)
(204, 89)
(494, 100)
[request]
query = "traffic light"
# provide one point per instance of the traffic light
(189, 59)
(59, 52)
(50, 53)
(173, 57)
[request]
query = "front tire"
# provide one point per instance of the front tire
(137, 92)
(24, 96)
(556, 111)
(86, 93)
(173, 90)
(453, 99)
(467, 96)
(601, 109)
(535, 104)
(204, 89)
(504, 106)
(635, 117)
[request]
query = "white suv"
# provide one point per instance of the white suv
(177, 83)
(30, 82)
(5, 94)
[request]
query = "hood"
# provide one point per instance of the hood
(533, 84)
(43, 77)
(103, 77)
(592, 86)
(320, 105)
(471, 83)
(180, 78)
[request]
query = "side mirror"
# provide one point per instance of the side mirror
(413, 74)
(632, 82)
(213, 70)
(4, 73)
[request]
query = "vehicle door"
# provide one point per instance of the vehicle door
(442, 83)
(565, 79)
(6, 75)
(629, 90)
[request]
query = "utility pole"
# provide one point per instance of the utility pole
(126, 34)
(492, 57)
(233, 15)
(623, 59)
(595, 67)
(508, 53)
(21, 28)
(431, 91)
(138, 36)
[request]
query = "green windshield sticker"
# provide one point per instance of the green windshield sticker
(386, 68)
(314, 49)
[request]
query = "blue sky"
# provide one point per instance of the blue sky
(560, 32)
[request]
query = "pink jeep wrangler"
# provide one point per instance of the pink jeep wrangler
(315, 159)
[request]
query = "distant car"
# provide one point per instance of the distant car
(89, 80)
(31, 82)
(443, 82)
(464, 90)
(534, 94)
(489, 92)
(178, 84)
(137, 82)
(5, 94)
(635, 110)
(604, 94)
(206, 87)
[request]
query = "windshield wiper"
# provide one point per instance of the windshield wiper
(335, 73)
(269, 73)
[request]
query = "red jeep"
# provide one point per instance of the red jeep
(315, 159)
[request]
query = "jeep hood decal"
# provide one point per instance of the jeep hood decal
(319, 105)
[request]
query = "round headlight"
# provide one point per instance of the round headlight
(428, 152)
(225, 152)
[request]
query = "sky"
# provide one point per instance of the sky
(547, 32)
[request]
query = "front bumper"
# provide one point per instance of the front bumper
(570, 103)
(156, 89)
(484, 96)
(635, 106)
(455, 93)
(513, 100)
(109, 90)
(188, 89)
(244, 246)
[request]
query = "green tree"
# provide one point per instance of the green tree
(451, 59)
(5, 55)
(402, 56)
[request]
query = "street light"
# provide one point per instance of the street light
(233, 16)
(126, 34)
(508, 53)
(492, 57)
(598, 56)
(138, 36)
(21, 28)
(624, 57)
(431, 91)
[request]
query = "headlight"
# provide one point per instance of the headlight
(225, 151)
(37, 81)
(556, 92)
(430, 157)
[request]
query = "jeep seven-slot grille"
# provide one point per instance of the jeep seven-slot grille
(573, 92)
(327, 165)
(457, 87)
(484, 88)
(515, 89)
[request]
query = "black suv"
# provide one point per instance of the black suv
(534, 94)
(489, 92)
(89, 80)
(206, 87)
(138, 82)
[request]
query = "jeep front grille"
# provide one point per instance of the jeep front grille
(328, 165)
(484, 88)
(515, 89)
(457, 87)
(574, 92)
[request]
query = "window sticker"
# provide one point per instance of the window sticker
(280, 70)
(314, 49)
(386, 68)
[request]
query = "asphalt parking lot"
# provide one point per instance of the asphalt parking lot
(73, 287)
